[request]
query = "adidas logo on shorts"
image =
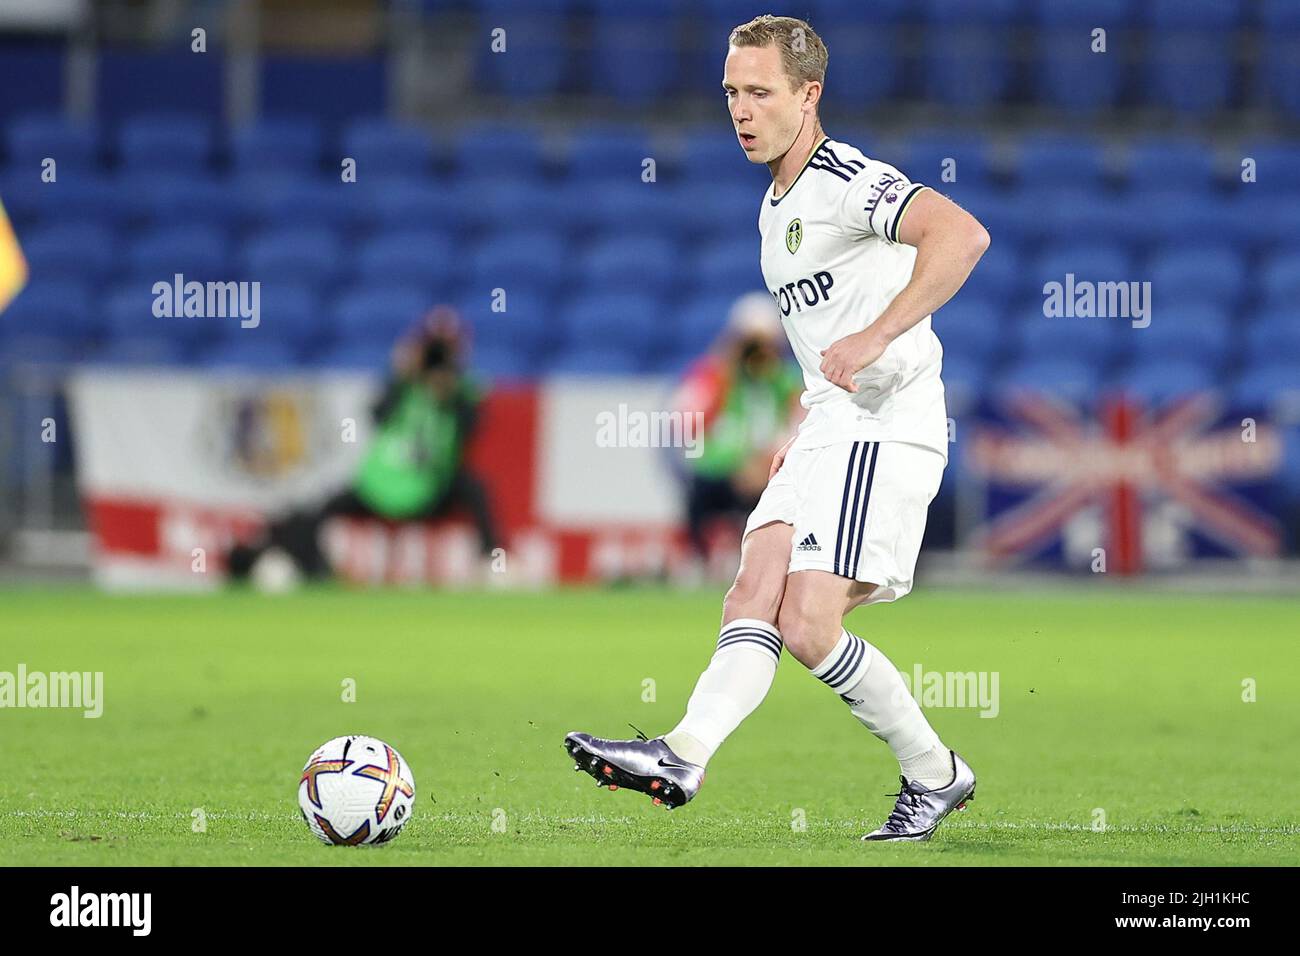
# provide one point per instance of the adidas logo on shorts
(808, 544)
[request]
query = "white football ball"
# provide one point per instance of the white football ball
(356, 790)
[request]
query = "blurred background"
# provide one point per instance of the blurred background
(563, 175)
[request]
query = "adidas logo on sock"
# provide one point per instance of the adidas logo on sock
(808, 544)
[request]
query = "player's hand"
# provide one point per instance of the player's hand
(779, 457)
(850, 355)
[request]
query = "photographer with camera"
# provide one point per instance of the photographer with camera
(413, 469)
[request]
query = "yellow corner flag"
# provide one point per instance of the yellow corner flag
(13, 267)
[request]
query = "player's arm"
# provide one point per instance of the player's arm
(949, 241)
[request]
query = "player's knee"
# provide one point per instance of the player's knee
(808, 631)
(750, 596)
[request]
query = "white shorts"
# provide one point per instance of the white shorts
(858, 510)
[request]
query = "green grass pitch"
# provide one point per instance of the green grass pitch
(1128, 704)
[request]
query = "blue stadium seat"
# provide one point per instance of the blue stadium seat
(867, 65)
(711, 156)
(699, 321)
(1050, 159)
(1260, 385)
(1171, 215)
(289, 313)
(313, 256)
(624, 34)
(1165, 163)
(355, 356)
(1181, 15)
(725, 210)
(1280, 59)
(499, 151)
(509, 203)
(1273, 334)
(1161, 381)
(144, 351)
(1277, 165)
(165, 141)
(1207, 272)
(295, 201)
(527, 327)
(971, 328)
(32, 138)
(965, 379)
(38, 350)
(369, 314)
(647, 263)
(726, 267)
(966, 62)
(154, 199)
(419, 256)
(631, 323)
(535, 60)
(198, 252)
(1254, 216)
(54, 309)
(413, 203)
(1184, 331)
(1012, 214)
(1094, 261)
(71, 250)
(528, 259)
(249, 355)
(1188, 63)
(1069, 75)
(1279, 278)
(1065, 378)
(386, 149)
(503, 363)
(292, 145)
(1049, 213)
(128, 316)
(926, 157)
(1089, 340)
(654, 207)
(79, 197)
(594, 362)
(597, 153)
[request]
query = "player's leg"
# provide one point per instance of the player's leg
(862, 522)
(744, 661)
(671, 768)
(812, 624)
(739, 674)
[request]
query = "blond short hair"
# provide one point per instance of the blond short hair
(803, 54)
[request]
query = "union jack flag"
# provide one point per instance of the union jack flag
(1046, 462)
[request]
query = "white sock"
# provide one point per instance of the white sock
(731, 687)
(874, 690)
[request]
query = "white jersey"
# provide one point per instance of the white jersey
(832, 260)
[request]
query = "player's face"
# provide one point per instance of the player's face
(765, 112)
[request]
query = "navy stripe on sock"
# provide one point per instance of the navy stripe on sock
(848, 662)
(774, 651)
(759, 635)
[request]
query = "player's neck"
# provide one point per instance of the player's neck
(786, 169)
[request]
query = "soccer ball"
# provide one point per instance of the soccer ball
(356, 790)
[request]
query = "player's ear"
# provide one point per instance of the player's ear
(812, 94)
